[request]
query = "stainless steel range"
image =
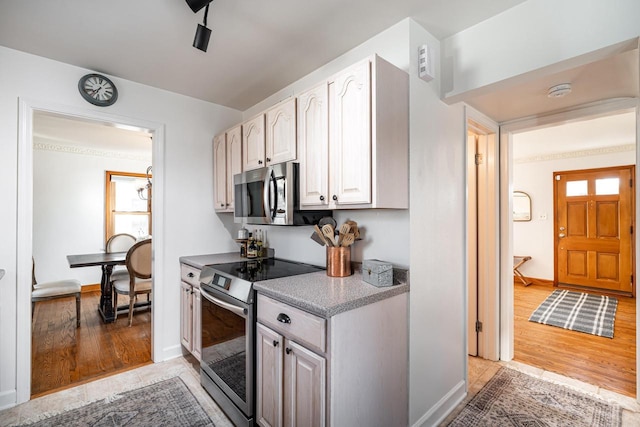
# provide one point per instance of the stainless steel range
(228, 330)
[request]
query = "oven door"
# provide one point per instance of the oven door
(228, 349)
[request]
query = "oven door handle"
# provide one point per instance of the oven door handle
(242, 312)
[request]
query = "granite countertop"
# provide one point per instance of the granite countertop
(327, 296)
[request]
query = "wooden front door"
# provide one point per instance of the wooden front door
(594, 228)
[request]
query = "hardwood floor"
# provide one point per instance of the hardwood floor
(64, 356)
(605, 362)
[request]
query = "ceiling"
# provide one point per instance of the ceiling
(257, 47)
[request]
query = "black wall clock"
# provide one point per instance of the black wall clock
(98, 90)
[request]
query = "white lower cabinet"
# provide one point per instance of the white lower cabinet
(347, 370)
(290, 382)
(190, 310)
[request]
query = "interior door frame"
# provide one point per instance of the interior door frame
(482, 241)
(24, 247)
(507, 130)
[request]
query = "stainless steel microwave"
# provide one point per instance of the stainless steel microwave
(269, 195)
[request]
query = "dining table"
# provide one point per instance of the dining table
(106, 261)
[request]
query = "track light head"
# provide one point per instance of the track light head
(201, 40)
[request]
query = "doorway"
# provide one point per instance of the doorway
(543, 212)
(25, 216)
(71, 212)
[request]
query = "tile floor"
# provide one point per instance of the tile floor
(480, 371)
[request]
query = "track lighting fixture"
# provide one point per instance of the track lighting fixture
(203, 34)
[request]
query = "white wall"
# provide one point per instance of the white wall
(533, 35)
(68, 208)
(535, 237)
(190, 224)
(437, 358)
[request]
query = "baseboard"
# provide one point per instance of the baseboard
(169, 353)
(90, 288)
(443, 408)
(8, 399)
(533, 281)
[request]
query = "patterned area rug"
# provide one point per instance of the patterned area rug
(166, 403)
(514, 399)
(577, 311)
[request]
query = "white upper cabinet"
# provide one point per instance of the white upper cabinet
(270, 137)
(234, 161)
(281, 132)
(227, 161)
(220, 172)
(313, 146)
(350, 135)
(253, 143)
(359, 122)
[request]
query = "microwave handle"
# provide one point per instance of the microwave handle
(270, 196)
(274, 192)
(266, 198)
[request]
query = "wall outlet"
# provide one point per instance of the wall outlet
(542, 216)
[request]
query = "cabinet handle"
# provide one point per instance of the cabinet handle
(222, 205)
(322, 198)
(275, 343)
(283, 318)
(335, 198)
(288, 350)
(259, 162)
(268, 159)
(190, 275)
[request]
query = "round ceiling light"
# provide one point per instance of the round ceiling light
(558, 91)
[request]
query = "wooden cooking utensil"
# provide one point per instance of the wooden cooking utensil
(320, 235)
(329, 232)
(354, 228)
(348, 239)
(344, 229)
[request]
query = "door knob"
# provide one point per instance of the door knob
(561, 228)
(561, 235)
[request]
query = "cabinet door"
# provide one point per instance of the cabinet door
(281, 132)
(196, 334)
(350, 135)
(253, 143)
(313, 147)
(269, 377)
(186, 316)
(304, 387)
(234, 161)
(220, 172)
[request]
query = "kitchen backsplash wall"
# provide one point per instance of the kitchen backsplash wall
(384, 233)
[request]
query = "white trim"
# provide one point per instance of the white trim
(85, 151)
(598, 109)
(575, 154)
(24, 247)
(488, 247)
(444, 407)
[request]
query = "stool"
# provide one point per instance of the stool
(518, 261)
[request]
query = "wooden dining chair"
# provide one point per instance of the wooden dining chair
(53, 290)
(138, 262)
(120, 242)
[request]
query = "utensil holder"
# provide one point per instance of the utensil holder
(338, 261)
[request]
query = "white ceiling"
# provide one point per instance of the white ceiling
(261, 46)
(257, 46)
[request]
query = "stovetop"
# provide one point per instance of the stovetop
(265, 269)
(236, 278)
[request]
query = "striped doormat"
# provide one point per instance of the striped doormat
(577, 311)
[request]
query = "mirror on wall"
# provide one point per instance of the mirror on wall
(521, 206)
